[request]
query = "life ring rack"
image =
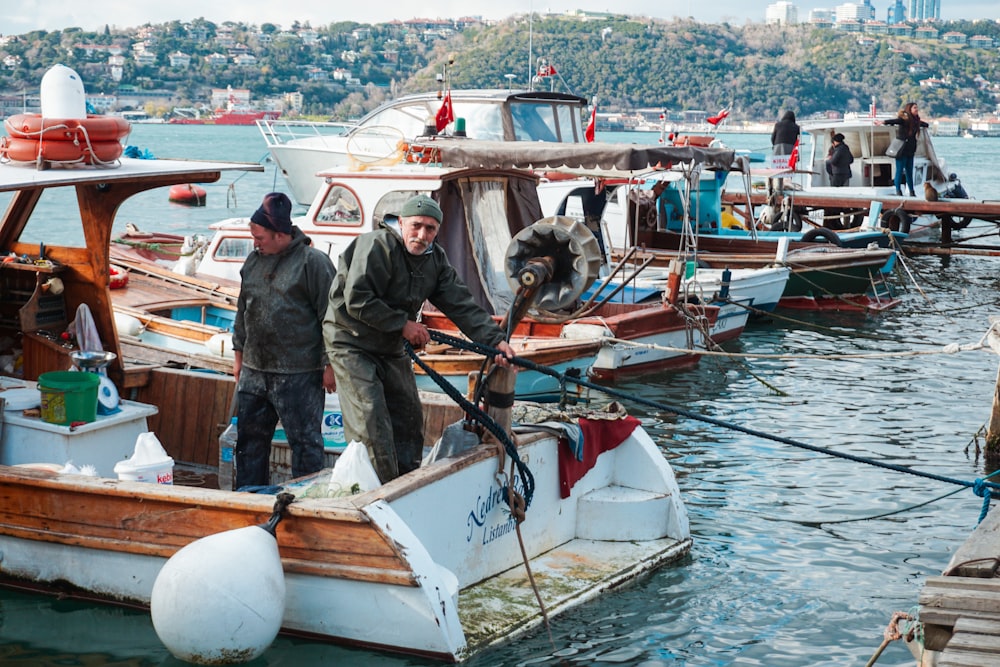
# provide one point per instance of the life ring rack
(95, 139)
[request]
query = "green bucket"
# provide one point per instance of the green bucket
(68, 396)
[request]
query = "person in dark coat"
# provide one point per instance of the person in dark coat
(784, 135)
(838, 162)
(908, 126)
(280, 366)
(382, 281)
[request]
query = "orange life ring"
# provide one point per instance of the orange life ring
(30, 150)
(119, 277)
(92, 128)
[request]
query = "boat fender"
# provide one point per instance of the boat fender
(822, 234)
(221, 345)
(949, 222)
(61, 93)
(786, 225)
(127, 325)
(221, 599)
(897, 220)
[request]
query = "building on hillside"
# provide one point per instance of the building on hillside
(851, 11)
(782, 13)
(925, 10)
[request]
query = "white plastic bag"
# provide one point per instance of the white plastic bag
(353, 473)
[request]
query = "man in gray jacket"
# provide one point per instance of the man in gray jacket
(382, 281)
(281, 370)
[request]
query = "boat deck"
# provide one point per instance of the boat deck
(960, 609)
(572, 573)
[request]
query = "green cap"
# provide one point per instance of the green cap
(421, 205)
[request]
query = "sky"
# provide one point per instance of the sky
(21, 16)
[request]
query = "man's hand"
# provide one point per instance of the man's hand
(416, 333)
(507, 353)
(329, 379)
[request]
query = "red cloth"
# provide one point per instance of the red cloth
(599, 435)
(592, 125)
(445, 114)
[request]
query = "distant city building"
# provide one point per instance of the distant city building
(782, 13)
(850, 11)
(925, 10)
(896, 13)
(820, 16)
(866, 11)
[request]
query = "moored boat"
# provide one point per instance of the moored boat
(429, 564)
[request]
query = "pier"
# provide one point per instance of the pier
(955, 214)
(960, 609)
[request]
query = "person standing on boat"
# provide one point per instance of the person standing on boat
(382, 281)
(784, 135)
(280, 367)
(908, 126)
(839, 161)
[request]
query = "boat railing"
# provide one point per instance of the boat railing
(279, 131)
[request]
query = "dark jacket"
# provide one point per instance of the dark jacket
(380, 285)
(840, 160)
(907, 129)
(786, 130)
(280, 310)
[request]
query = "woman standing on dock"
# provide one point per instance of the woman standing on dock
(908, 125)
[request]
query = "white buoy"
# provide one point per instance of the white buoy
(221, 344)
(220, 599)
(62, 94)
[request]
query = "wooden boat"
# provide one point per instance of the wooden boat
(428, 564)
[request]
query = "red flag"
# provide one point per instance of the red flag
(547, 70)
(793, 159)
(591, 125)
(721, 116)
(445, 114)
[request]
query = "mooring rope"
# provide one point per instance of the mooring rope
(980, 487)
(479, 415)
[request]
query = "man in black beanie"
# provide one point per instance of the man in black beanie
(280, 366)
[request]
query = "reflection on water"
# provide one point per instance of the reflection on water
(787, 567)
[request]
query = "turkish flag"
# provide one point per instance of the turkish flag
(591, 125)
(445, 114)
(715, 120)
(793, 159)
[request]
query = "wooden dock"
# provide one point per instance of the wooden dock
(954, 214)
(960, 609)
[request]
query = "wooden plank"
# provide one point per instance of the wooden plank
(967, 659)
(955, 583)
(976, 625)
(968, 641)
(964, 600)
(193, 409)
(978, 555)
(948, 617)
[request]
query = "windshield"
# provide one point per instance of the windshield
(542, 122)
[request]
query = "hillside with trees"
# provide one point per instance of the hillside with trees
(624, 62)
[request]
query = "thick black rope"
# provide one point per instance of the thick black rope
(980, 487)
(484, 419)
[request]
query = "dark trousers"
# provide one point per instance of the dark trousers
(297, 399)
(840, 180)
(381, 408)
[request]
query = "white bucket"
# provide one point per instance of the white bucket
(149, 462)
(62, 94)
(158, 472)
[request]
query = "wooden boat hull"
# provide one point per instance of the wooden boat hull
(563, 356)
(407, 567)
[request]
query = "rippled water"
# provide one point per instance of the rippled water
(788, 566)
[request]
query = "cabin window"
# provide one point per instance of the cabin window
(340, 207)
(482, 121)
(409, 120)
(534, 122)
(233, 249)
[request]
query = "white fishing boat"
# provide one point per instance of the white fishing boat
(429, 563)
(302, 149)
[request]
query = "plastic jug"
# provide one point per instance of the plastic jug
(227, 449)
